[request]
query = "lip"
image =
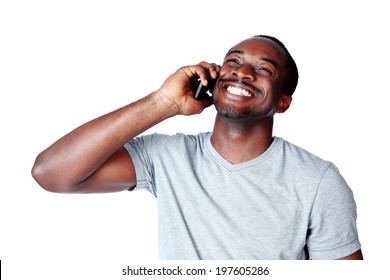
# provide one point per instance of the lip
(240, 86)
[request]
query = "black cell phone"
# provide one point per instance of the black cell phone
(204, 91)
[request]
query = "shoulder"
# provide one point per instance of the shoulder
(300, 157)
(165, 141)
(323, 173)
(178, 137)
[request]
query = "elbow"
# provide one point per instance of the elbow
(46, 178)
(39, 174)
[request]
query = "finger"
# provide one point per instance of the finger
(187, 70)
(195, 70)
(212, 69)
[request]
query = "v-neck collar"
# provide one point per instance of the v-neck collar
(240, 166)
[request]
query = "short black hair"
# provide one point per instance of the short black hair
(292, 78)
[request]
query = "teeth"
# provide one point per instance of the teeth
(238, 91)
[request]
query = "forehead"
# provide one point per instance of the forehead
(261, 48)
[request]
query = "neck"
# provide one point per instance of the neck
(238, 141)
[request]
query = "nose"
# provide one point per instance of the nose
(244, 72)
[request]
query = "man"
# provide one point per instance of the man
(235, 193)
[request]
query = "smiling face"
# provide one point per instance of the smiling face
(251, 80)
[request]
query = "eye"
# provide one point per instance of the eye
(232, 61)
(264, 70)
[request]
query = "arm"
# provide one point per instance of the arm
(91, 158)
(358, 255)
(332, 226)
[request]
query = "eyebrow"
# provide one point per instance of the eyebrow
(273, 62)
(234, 52)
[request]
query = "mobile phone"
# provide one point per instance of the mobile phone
(204, 91)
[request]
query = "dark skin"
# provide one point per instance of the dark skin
(246, 132)
(247, 94)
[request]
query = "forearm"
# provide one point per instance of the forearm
(77, 155)
(78, 160)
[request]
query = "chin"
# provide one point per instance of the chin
(230, 113)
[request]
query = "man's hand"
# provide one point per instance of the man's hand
(91, 158)
(179, 89)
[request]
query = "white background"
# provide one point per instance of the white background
(63, 63)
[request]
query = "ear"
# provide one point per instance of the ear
(283, 103)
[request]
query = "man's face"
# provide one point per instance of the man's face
(251, 79)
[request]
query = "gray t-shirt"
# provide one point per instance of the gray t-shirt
(284, 204)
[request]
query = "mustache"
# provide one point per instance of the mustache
(245, 83)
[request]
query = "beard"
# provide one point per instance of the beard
(230, 113)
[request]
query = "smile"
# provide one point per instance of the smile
(238, 91)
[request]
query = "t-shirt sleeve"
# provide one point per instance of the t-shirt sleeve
(332, 230)
(140, 150)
